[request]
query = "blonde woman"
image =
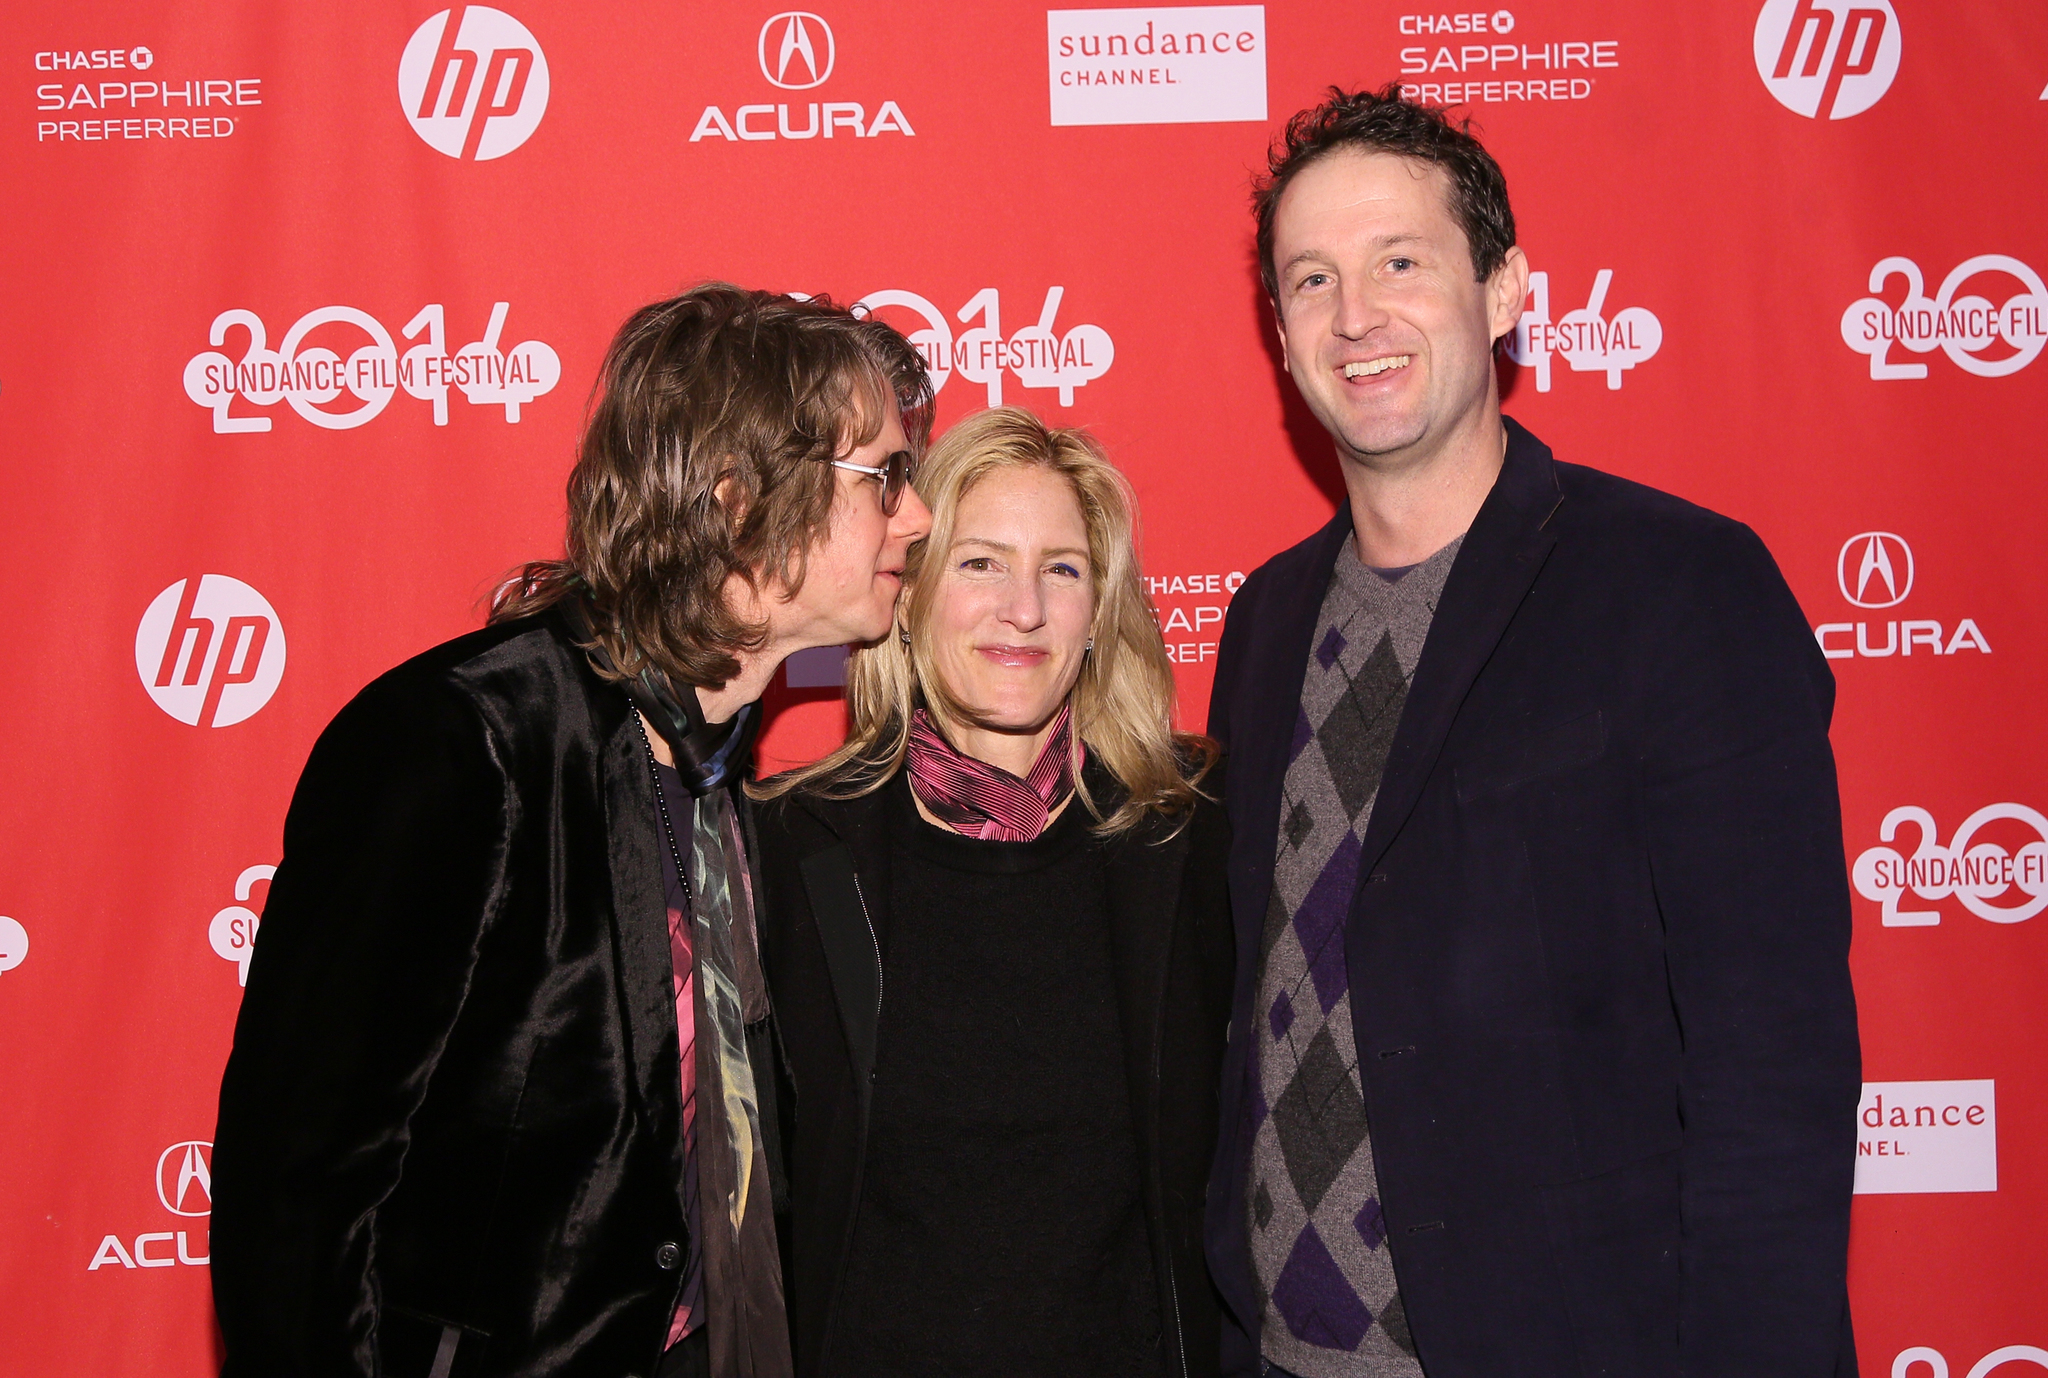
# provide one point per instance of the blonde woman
(1000, 953)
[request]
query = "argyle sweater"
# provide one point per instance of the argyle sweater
(1331, 1308)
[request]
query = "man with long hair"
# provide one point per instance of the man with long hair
(499, 1099)
(1544, 1053)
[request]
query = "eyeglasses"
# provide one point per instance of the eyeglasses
(895, 473)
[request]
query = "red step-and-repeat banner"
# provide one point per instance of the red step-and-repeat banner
(303, 304)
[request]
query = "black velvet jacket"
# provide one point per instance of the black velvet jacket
(1598, 952)
(825, 927)
(449, 1136)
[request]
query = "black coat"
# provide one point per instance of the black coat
(825, 929)
(1598, 950)
(452, 1112)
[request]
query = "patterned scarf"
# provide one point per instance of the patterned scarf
(742, 1264)
(980, 800)
(743, 1296)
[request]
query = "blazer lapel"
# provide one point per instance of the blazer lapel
(847, 885)
(1503, 551)
(1260, 747)
(1143, 880)
(646, 970)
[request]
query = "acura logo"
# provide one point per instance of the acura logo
(1875, 570)
(796, 50)
(184, 1178)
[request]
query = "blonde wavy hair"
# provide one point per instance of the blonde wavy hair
(1123, 699)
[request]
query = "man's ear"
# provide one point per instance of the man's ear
(1506, 290)
(1280, 331)
(732, 497)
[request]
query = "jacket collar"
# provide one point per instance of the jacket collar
(639, 909)
(1495, 566)
(1504, 549)
(707, 755)
(1270, 688)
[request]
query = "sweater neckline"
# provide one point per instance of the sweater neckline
(930, 842)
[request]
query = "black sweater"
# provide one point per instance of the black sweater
(1000, 1215)
(836, 924)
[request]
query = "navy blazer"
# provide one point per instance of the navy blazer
(1598, 952)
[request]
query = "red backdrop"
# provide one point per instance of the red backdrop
(303, 303)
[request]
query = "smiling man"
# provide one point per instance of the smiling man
(1544, 1054)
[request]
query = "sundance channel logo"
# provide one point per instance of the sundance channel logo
(473, 83)
(1927, 1136)
(1191, 64)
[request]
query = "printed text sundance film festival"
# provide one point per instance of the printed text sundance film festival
(307, 301)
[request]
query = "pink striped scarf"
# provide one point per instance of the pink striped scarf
(985, 801)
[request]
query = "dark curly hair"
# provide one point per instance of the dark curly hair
(717, 384)
(1384, 122)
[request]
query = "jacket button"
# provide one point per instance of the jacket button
(669, 1256)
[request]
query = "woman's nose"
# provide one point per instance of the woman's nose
(1024, 605)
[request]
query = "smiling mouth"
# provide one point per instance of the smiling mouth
(1368, 368)
(1022, 657)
